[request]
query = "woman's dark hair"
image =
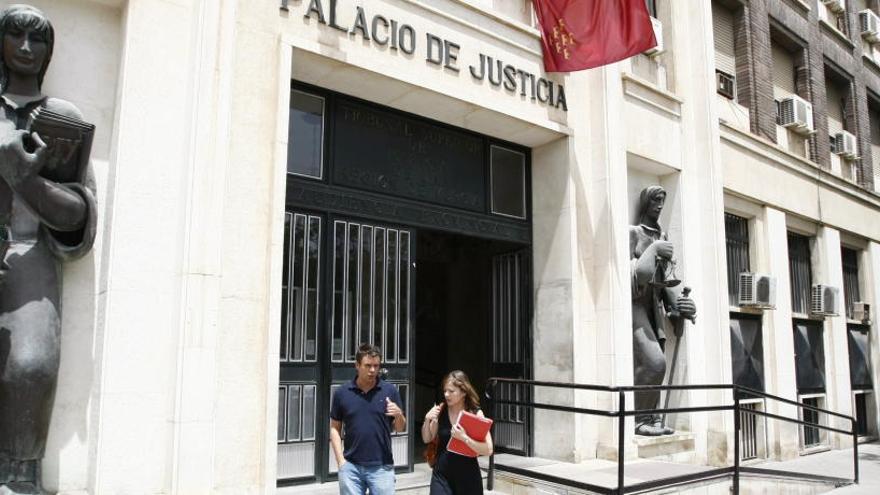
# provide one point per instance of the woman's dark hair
(21, 17)
(461, 380)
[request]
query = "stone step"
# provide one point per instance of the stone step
(417, 482)
(678, 447)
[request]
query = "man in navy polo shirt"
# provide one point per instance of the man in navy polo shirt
(369, 408)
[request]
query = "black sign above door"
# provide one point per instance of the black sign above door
(390, 153)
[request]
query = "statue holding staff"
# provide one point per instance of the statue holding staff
(653, 301)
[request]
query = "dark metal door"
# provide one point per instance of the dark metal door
(372, 282)
(345, 282)
(299, 427)
(511, 347)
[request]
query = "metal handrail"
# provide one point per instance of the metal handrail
(622, 413)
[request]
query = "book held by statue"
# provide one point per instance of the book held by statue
(475, 427)
(68, 142)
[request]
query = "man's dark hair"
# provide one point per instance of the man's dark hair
(367, 350)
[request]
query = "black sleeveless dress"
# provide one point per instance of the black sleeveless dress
(453, 474)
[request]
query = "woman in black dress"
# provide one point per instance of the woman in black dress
(455, 474)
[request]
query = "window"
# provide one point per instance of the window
(863, 407)
(811, 436)
(508, 176)
(747, 351)
(723, 20)
(859, 357)
(736, 231)
(296, 429)
(809, 351)
(800, 272)
(851, 294)
(371, 291)
(305, 146)
(299, 288)
(840, 112)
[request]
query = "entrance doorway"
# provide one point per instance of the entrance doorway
(470, 295)
(408, 234)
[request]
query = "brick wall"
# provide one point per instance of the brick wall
(820, 48)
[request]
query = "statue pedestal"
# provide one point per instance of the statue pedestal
(678, 447)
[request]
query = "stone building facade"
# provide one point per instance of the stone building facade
(511, 232)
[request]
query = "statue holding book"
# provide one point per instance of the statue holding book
(47, 216)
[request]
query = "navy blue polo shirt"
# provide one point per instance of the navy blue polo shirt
(367, 428)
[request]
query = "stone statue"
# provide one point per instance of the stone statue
(43, 223)
(653, 301)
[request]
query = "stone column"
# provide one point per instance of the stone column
(705, 354)
(838, 391)
(779, 366)
(183, 350)
(872, 294)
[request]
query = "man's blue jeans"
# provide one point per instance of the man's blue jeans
(355, 479)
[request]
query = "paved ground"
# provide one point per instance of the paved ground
(869, 468)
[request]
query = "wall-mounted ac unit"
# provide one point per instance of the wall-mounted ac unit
(658, 33)
(846, 145)
(862, 312)
(796, 114)
(869, 25)
(824, 301)
(836, 6)
(757, 291)
(726, 84)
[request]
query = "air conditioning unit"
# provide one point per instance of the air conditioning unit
(658, 34)
(726, 84)
(846, 146)
(862, 312)
(824, 301)
(836, 6)
(796, 114)
(869, 25)
(757, 291)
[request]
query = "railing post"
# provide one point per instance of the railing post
(736, 426)
(855, 431)
(621, 426)
(490, 477)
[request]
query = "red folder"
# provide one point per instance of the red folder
(475, 427)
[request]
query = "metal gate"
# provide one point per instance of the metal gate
(342, 287)
(511, 338)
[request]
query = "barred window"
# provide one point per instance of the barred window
(800, 272)
(851, 294)
(736, 231)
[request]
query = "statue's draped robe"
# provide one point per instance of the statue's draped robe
(30, 313)
(648, 320)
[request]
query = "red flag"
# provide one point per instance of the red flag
(581, 34)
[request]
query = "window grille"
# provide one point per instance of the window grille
(811, 436)
(737, 235)
(851, 294)
(371, 291)
(800, 272)
(753, 430)
(300, 304)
